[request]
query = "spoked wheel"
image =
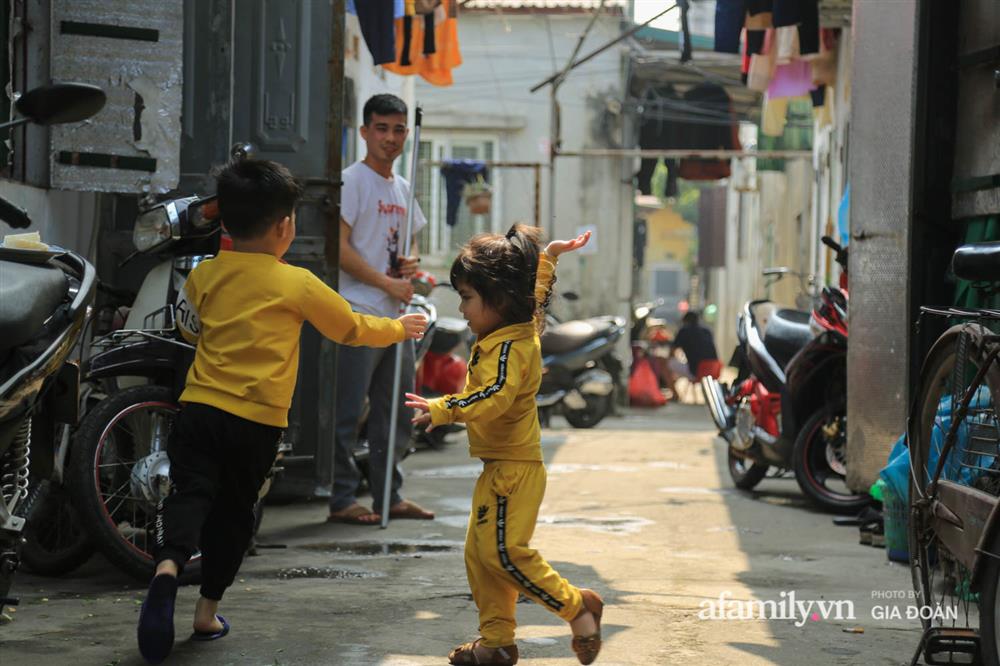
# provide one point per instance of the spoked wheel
(820, 462)
(120, 472)
(946, 595)
(55, 541)
(746, 473)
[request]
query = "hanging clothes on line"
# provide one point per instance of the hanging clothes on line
(436, 67)
(378, 27)
(710, 99)
(456, 174)
(729, 18)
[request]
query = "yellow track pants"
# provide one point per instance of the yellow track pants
(498, 559)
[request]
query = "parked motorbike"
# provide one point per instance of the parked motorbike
(580, 369)
(787, 408)
(119, 469)
(44, 296)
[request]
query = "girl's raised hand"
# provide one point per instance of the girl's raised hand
(423, 415)
(557, 247)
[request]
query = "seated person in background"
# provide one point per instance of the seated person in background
(697, 344)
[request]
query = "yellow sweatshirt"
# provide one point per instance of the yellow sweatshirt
(498, 402)
(245, 311)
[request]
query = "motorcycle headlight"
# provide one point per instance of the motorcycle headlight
(151, 229)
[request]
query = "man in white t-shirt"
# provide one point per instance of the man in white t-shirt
(374, 279)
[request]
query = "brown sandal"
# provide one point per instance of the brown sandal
(587, 647)
(465, 655)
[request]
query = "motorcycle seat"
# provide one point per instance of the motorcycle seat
(572, 335)
(978, 262)
(29, 294)
(787, 332)
(448, 332)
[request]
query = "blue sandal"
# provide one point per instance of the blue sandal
(212, 635)
(156, 619)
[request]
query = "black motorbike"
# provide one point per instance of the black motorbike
(787, 408)
(580, 370)
(44, 296)
(119, 469)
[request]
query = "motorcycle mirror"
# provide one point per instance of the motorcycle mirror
(58, 103)
(242, 150)
(570, 296)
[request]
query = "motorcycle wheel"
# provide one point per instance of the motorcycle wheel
(819, 461)
(111, 440)
(745, 473)
(597, 408)
(55, 540)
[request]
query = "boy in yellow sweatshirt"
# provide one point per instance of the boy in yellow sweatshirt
(505, 283)
(244, 309)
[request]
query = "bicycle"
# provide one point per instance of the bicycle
(953, 433)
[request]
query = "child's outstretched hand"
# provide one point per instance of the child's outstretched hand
(423, 415)
(414, 325)
(557, 247)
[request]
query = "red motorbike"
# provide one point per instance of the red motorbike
(787, 408)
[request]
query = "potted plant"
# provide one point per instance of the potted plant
(478, 196)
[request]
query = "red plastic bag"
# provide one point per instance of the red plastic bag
(643, 387)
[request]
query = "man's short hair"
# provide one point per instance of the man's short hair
(254, 195)
(383, 105)
(690, 317)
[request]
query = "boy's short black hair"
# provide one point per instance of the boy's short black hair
(690, 318)
(254, 195)
(383, 105)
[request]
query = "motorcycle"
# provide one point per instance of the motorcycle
(44, 297)
(787, 408)
(580, 370)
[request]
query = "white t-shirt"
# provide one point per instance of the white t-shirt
(375, 209)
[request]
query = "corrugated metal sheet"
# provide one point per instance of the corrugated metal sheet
(133, 50)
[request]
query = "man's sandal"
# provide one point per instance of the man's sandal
(587, 647)
(465, 655)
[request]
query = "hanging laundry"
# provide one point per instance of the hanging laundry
(787, 12)
(793, 79)
(809, 27)
(456, 174)
(378, 28)
(656, 132)
(729, 17)
(762, 64)
(435, 68)
(773, 116)
(824, 65)
(755, 7)
(761, 21)
(711, 102)
(786, 44)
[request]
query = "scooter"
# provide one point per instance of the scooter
(580, 370)
(44, 297)
(787, 408)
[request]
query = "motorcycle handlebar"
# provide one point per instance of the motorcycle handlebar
(832, 244)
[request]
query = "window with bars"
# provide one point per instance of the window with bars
(438, 240)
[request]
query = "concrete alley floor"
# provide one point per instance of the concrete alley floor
(641, 509)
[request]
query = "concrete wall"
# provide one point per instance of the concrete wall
(66, 219)
(504, 55)
(776, 220)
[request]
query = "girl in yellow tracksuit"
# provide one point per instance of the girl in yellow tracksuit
(505, 283)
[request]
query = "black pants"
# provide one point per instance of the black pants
(218, 463)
